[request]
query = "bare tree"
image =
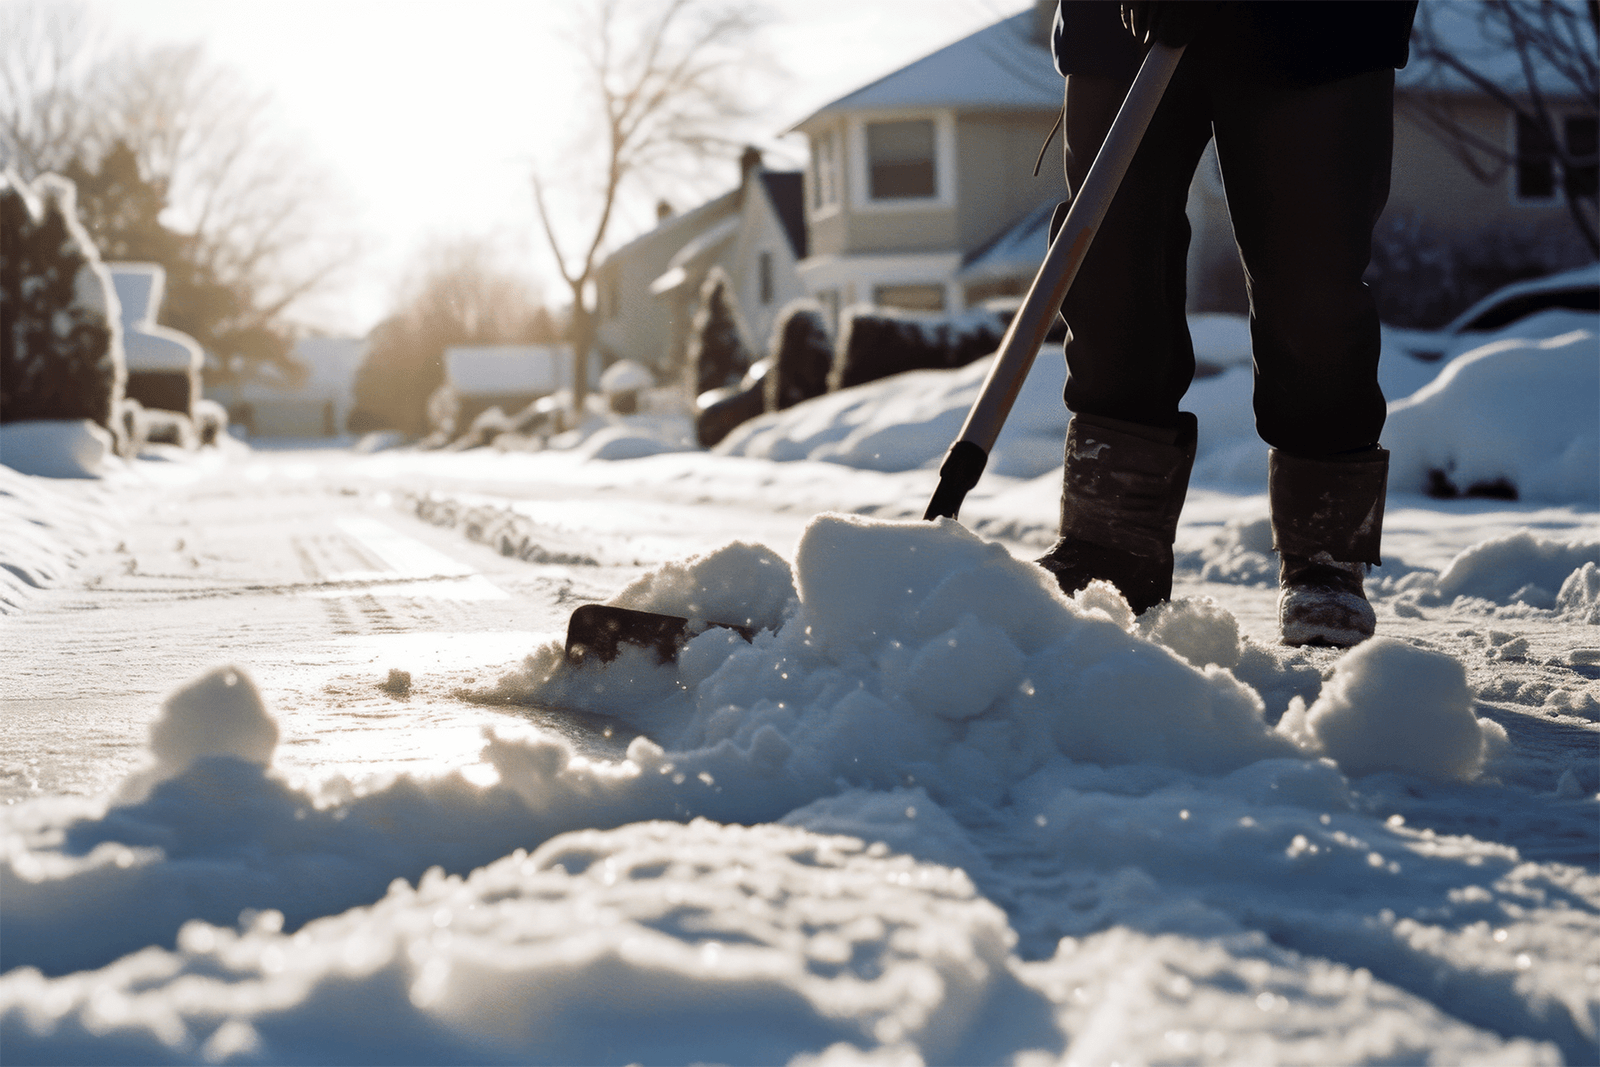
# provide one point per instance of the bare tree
(458, 292)
(256, 215)
(1553, 44)
(664, 80)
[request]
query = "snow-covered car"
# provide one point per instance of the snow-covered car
(1572, 290)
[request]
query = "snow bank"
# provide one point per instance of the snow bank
(1519, 411)
(44, 533)
(1517, 568)
(56, 448)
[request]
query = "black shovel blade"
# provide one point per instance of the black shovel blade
(597, 632)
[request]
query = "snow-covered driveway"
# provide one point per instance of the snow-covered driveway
(857, 839)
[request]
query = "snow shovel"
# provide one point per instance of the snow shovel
(596, 631)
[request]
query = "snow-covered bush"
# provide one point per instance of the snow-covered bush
(876, 342)
(210, 421)
(802, 355)
(444, 411)
(163, 427)
(61, 345)
(718, 354)
(490, 423)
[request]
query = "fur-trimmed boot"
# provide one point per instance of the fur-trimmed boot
(1120, 500)
(1327, 520)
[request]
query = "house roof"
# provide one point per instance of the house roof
(1000, 68)
(680, 228)
(681, 267)
(1471, 33)
(786, 191)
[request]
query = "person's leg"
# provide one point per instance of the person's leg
(1128, 352)
(1129, 357)
(1307, 173)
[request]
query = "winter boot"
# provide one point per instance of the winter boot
(1120, 500)
(1327, 520)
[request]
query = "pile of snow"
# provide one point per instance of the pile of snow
(919, 651)
(1470, 422)
(1519, 569)
(934, 812)
(57, 448)
(43, 534)
(1520, 411)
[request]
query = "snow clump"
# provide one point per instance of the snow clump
(219, 714)
(1391, 706)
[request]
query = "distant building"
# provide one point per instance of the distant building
(314, 403)
(509, 377)
(163, 364)
(919, 182)
(649, 288)
(1491, 175)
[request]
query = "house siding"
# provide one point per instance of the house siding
(996, 180)
(761, 232)
(1431, 182)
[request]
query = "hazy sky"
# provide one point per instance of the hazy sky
(431, 113)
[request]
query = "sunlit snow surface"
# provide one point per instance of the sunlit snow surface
(935, 812)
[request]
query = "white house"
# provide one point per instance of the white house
(649, 288)
(509, 377)
(912, 175)
(314, 403)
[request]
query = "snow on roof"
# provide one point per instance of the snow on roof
(140, 288)
(999, 68)
(708, 243)
(681, 227)
(490, 369)
(1472, 33)
(1019, 249)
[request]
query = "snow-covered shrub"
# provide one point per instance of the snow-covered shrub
(61, 344)
(622, 383)
(718, 354)
(1423, 275)
(490, 423)
(802, 355)
(876, 342)
(163, 427)
(210, 421)
(444, 411)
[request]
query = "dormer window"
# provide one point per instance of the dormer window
(900, 160)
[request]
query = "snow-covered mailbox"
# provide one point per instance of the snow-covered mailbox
(163, 364)
(509, 377)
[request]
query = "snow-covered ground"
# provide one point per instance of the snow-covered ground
(935, 812)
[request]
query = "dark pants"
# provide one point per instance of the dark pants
(1306, 169)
